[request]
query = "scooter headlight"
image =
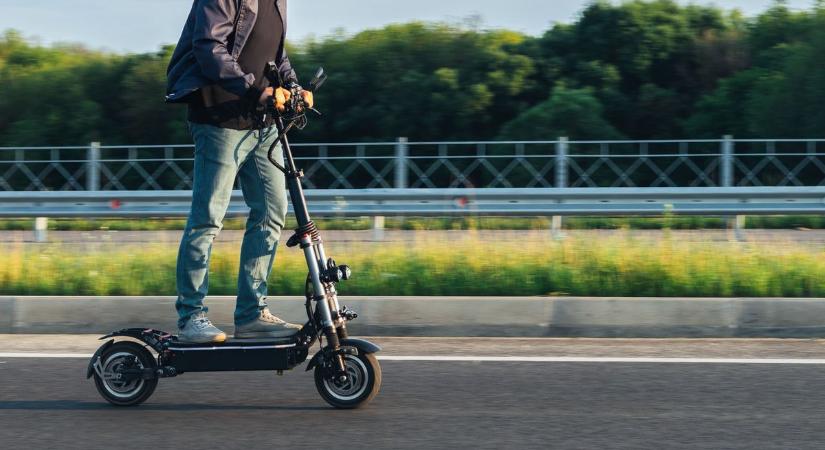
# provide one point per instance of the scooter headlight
(336, 273)
(346, 272)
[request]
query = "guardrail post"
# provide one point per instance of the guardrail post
(736, 223)
(378, 228)
(93, 167)
(401, 148)
(401, 182)
(41, 229)
(727, 161)
(41, 224)
(739, 223)
(562, 148)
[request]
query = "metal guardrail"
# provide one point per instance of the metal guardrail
(723, 162)
(441, 202)
(559, 178)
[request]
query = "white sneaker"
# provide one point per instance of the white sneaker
(199, 330)
(265, 326)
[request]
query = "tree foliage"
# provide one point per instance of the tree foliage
(575, 113)
(639, 69)
(782, 93)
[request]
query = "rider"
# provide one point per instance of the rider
(218, 69)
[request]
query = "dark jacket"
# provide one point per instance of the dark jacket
(212, 40)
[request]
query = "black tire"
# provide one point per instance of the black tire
(125, 393)
(365, 373)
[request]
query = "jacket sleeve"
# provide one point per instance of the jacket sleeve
(286, 70)
(214, 25)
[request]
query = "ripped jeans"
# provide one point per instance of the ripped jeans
(221, 155)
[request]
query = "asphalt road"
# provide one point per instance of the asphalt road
(47, 403)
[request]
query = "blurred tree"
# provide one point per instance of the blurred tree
(44, 100)
(776, 26)
(572, 113)
(781, 95)
(143, 113)
(723, 111)
(420, 81)
(641, 55)
(640, 69)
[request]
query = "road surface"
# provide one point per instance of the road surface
(617, 394)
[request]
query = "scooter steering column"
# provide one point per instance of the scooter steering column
(311, 245)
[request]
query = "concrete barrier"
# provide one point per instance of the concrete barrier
(453, 316)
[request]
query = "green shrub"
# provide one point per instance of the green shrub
(611, 266)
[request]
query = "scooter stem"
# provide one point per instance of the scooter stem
(310, 242)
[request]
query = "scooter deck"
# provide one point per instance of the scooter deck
(234, 342)
(236, 355)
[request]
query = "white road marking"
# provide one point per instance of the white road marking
(45, 355)
(517, 359)
(574, 359)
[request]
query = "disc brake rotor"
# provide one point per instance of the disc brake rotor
(352, 385)
(113, 376)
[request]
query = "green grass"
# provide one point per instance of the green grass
(445, 223)
(616, 266)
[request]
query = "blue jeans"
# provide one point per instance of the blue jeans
(221, 155)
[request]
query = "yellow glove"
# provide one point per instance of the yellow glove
(281, 97)
(309, 99)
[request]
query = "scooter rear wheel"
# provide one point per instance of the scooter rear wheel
(362, 385)
(116, 389)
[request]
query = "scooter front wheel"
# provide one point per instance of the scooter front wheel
(115, 374)
(362, 384)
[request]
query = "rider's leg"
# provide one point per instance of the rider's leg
(264, 189)
(218, 154)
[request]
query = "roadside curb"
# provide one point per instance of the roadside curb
(453, 316)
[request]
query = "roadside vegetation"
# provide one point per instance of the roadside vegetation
(612, 266)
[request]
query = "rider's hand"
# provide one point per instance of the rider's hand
(280, 95)
(268, 92)
(309, 99)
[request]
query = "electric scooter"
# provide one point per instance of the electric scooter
(347, 373)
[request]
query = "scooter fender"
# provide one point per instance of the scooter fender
(360, 344)
(91, 370)
(152, 338)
